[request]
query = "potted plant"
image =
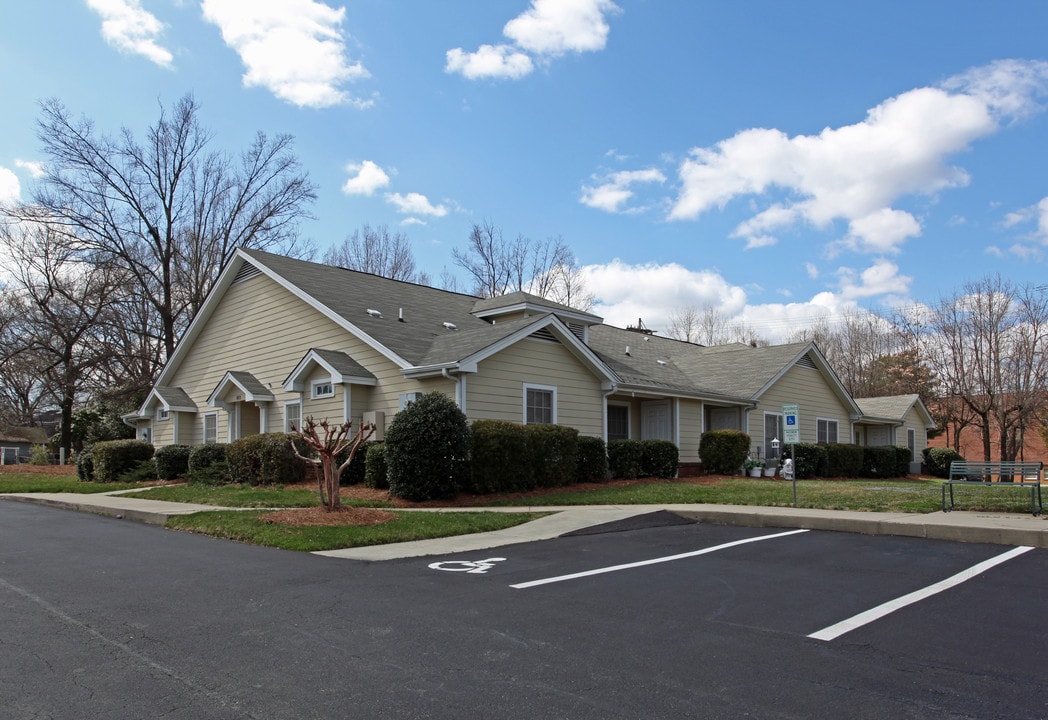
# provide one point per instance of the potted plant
(770, 469)
(753, 467)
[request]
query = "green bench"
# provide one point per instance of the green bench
(1009, 474)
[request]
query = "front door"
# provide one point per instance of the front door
(655, 420)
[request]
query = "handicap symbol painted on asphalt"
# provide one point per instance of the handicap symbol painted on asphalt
(469, 566)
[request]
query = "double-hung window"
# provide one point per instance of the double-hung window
(618, 422)
(211, 428)
(540, 405)
(827, 431)
(292, 416)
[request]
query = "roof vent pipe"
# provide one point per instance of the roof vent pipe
(400, 315)
(627, 349)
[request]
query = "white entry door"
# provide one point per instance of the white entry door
(655, 420)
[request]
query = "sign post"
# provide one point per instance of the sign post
(792, 435)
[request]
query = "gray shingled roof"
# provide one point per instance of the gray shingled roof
(734, 372)
(174, 397)
(894, 407)
(343, 363)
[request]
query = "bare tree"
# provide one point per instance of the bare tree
(497, 267)
(377, 251)
(64, 301)
(169, 210)
(328, 442)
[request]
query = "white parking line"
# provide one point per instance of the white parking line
(845, 626)
(641, 563)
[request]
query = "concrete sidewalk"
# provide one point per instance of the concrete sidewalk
(960, 526)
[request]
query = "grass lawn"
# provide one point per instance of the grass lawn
(246, 496)
(915, 496)
(37, 482)
(245, 526)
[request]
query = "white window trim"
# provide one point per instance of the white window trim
(782, 427)
(837, 425)
(287, 404)
(162, 414)
(204, 433)
(546, 388)
(314, 395)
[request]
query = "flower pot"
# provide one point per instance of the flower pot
(755, 472)
(770, 471)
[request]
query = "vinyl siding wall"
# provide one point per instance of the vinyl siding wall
(261, 328)
(497, 390)
(690, 413)
(810, 390)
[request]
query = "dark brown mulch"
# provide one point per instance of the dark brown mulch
(40, 469)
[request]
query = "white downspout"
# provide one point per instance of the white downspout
(460, 399)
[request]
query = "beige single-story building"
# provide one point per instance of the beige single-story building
(280, 339)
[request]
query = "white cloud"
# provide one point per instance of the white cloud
(546, 30)
(880, 279)
(35, 169)
(368, 178)
(129, 28)
(615, 190)
(490, 61)
(555, 27)
(293, 48)
(855, 173)
(415, 204)
(10, 188)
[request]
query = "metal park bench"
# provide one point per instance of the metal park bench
(1009, 474)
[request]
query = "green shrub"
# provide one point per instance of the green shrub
(903, 458)
(143, 472)
(592, 464)
(266, 459)
(625, 459)
(427, 449)
(723, 451)
(879, 462)
(843, 460)
(172, 461)
(40, 455)
(375, 466)
(111, 458)
(553, 451)
(207, 464)
(499, 457)
(85, 467)
(937, 460)
(659, 458)
(812, 460)
(354, 474)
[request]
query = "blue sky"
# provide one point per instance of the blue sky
(775, 161)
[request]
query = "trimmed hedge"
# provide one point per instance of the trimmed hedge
(172, 461)
(499, 460)
(937, 460)
(427, 449)
(265, 459)
(723, 451)
(812, 460)
(592, 465)
(111, 458)
(659, 458)
(375, 466)
(554, 454)
(879, 462)
(903, 458)
(207, 464)
(85, 465)
(625, 459)
(844, 460)
(354, 474)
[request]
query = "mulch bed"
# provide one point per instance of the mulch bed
(322, 517)
(39, 469)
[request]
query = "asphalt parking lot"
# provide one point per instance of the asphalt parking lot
(656, 618)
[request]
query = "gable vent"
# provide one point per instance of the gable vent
(578, 330)
(807, 362)
(246, 272)
(544, 334)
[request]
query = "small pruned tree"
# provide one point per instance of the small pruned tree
(328, 442)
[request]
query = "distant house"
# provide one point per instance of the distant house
(16, 443)
(901, 420)
(280, 339)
